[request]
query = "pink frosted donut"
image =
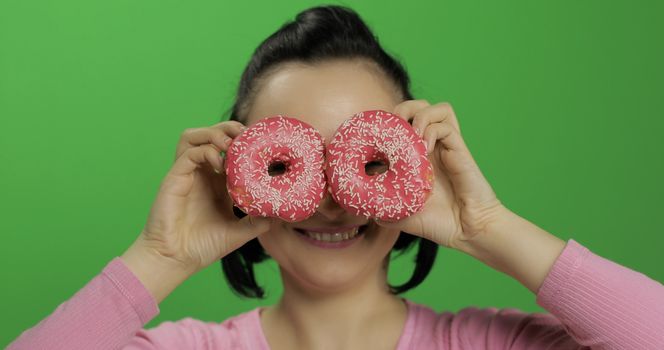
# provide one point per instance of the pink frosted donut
(275, 169)
(378, 136)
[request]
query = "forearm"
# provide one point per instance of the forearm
(517, 247)
(159, 275)
(604, 304)
(104, 314)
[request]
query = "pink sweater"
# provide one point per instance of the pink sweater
(593, 302)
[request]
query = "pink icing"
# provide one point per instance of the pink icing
(392, 195)
(293, 195)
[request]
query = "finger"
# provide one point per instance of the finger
(445, 134)
(407, 110)
(460, 166)
(432, 114)
(219, 135)
(216, 159)
(196, 157)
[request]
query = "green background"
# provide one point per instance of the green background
(560, 102)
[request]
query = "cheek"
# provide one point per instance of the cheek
(281, 244)
(385, 238)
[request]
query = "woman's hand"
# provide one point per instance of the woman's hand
(191, 221)
(462, 203)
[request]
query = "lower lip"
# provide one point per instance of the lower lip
(331, 245)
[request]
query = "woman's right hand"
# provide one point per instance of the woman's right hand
(191, 221)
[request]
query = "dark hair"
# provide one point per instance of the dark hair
(318, 34)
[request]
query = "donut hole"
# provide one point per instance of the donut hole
(277, 168)
(377, 165)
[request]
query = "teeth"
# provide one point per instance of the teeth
(332, 237)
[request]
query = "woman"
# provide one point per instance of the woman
(321, 69)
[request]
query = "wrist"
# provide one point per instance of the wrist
(159, 274)
(515, 246)
(501, 223)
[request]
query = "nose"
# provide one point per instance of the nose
(329, 208)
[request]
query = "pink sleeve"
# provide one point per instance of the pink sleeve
(593, 302)
(107, 313)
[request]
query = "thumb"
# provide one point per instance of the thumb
(408, 224)
(243, 230)
(396, 224)
(252, 225)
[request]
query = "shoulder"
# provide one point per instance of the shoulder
(193, 333)
(475, 327)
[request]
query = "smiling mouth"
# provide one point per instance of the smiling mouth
(338, 236)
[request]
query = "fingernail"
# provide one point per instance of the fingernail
(221, 161)
(426, 147)
(417, 131)
(227, 141)
(217, 171)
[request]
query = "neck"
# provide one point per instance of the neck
(352, 316)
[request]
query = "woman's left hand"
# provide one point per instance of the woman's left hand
(462, 203)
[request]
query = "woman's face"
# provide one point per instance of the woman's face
(324, 96)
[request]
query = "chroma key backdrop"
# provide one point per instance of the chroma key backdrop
(561, 104)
